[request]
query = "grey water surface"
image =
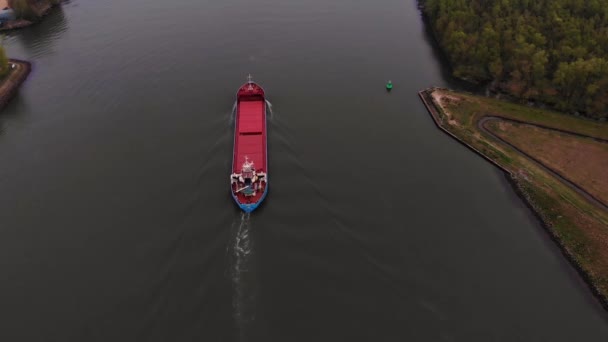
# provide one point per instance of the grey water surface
(116, 222)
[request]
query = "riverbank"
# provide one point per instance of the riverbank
(571, 210)
(530, 66)
(10, 84)
(40, 9)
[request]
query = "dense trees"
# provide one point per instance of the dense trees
(555, 51)
(31, 9)
(22, 9)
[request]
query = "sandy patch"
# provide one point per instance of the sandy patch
(444, 100)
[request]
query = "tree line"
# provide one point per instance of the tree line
(554, 51)
(26, 9)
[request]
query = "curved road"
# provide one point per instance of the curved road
(481, 126)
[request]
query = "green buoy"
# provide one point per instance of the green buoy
(389, 86)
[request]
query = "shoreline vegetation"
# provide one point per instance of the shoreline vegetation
(27, 13)
(12, 81)
(555, 162)
(550, 52)
(16, 14)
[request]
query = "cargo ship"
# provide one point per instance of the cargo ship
(249, 178)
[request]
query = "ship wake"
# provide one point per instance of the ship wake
(240, 250)
(269, 106)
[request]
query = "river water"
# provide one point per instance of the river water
(117, 224)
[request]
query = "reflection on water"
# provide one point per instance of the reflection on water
(443, 62)
(39, 39)
(378, 228)
(12, 113)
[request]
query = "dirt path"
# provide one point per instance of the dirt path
(481, 125)
(592, 271)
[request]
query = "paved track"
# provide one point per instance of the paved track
(481, 124)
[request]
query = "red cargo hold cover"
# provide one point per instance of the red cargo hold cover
(251, 115)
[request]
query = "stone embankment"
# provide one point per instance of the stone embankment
(427, 99)
(436, 114)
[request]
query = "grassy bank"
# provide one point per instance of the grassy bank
(585, 161)
(536, 157)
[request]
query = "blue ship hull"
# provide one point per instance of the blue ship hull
(249, 207)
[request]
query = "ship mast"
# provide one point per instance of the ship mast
(250, 81)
